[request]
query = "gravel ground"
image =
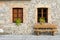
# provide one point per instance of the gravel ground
(29, 37)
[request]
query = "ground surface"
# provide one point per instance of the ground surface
(29, 37)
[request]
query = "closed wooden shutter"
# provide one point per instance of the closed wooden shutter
(17, 13)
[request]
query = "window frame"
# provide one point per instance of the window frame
(42, 14)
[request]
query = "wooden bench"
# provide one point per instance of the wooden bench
(45, 28)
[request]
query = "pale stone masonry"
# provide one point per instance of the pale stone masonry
(29, 15)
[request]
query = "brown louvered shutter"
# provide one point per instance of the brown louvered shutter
(20, 14)
(17, 13)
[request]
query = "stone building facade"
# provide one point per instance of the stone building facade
(29, 15)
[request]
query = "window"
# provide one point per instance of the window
(42, 12)
(17, 13)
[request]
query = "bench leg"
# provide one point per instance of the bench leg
(37, 33)
(53, 33)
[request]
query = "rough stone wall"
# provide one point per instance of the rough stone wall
(27, 26)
